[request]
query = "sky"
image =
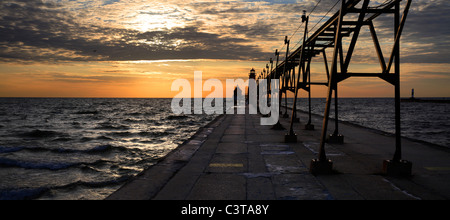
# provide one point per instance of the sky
(137, 48)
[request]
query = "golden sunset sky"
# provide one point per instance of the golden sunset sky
(137, 48)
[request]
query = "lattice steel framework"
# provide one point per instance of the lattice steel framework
(348, 23)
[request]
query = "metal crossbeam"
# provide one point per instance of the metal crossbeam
(347, 22)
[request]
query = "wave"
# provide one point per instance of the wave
(10, 149)
(105, 138)
(62, 139)
(134, 121)
(87, 112)
(55, 165)
(7, 162)
(133, 114)
(154, 133)
(122, 134)
(38, 134)
(34, 193)
(97, 184)
(101, 137)
(97, 149)
(22, 194)
(140, 134)
(108, 126)
(176, 117)
(84, 138)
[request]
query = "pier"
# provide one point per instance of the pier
(353, 18)
(235, 158)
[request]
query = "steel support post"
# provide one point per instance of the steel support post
(335, 137)
(291, 136)
(323, 165)
(309, 125)
(286, 42)
(397, 166)
(278, 125)
(398, 140)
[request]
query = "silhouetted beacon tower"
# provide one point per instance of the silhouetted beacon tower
(251, 75)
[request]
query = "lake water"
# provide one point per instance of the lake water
(87, 148)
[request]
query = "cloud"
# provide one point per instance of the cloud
(212, 8)
(111, 30)
(191, 43)
(427, 32)
(41, 31)
(425, 35)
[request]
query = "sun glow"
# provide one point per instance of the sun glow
(157, 17)
(146, 22)
(136, 48)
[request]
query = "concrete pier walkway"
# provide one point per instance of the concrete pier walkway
(235, 158)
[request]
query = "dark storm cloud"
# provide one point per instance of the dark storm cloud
(27, 29)
(38, 31)
(191, 43)
(425, 38)
(259, 30)
(428, 28)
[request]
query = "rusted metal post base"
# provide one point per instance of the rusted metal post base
(400, 168)
(318, 167)
(290, 138)
(309, 127)
(335, 139)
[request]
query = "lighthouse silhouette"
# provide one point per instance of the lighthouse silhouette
(251, 75)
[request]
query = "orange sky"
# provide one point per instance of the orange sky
(154, 79)
(94, 48)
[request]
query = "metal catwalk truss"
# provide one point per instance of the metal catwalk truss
(353, 17)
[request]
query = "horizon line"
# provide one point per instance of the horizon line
(25, 97)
